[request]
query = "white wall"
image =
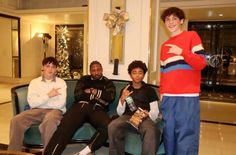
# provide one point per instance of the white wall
(136, 35)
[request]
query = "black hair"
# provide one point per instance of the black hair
(49, 60)
(93, 63)
(137, 64)
(173, 11)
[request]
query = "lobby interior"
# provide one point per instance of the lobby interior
(144, 33)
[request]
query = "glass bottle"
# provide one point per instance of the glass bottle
(130, 102)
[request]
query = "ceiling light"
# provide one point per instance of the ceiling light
(210, 13)
(208, 26)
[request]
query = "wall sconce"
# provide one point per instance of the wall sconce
(45, 37)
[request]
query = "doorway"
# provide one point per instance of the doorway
(218, 39)
(10, 47)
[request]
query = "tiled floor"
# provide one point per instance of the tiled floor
(5, 111)
(215, 139)
(5, 117)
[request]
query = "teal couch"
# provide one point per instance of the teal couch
(32, 138)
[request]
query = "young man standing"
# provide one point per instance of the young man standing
(93, 93)
(182, 59)
(47, 100)
(144, 97)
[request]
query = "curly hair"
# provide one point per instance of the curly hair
(173, 11)
(137, 64)
(49, 60)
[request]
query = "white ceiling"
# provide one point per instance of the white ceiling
(215, 13)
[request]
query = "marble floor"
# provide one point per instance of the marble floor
(5, 95)
(215, 138)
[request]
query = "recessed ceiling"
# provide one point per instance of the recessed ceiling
(204, 9)
(219, 13)
(56, 18)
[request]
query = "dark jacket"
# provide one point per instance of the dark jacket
(105, 95)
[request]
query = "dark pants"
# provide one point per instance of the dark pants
(148, 131)
(74, 118)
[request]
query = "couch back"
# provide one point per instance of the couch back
(19, 95)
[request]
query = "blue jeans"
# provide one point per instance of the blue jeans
(181, 125)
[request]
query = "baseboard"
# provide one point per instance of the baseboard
(3, 146)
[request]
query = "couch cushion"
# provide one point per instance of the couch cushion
(70, 92)
(32, 137)
(119, 85)
(20, 94)
(84, 133)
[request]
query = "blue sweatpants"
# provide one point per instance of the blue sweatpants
(181, 124)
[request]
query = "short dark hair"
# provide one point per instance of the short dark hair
(93, 63)
(49, 60)
(173, 11)
(137, 64)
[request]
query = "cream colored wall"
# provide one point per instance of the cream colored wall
(32, 47)
(153, 66)
(85, 63)
(10, 4)
(136, 35)
(39, 4)
(6, 48)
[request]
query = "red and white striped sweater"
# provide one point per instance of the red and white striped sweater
(181, 74)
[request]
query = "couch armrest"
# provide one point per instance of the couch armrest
(19, 98)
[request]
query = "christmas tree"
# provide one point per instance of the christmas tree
(62, 54)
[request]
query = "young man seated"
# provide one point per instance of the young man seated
(47, 100)
(138, 110)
